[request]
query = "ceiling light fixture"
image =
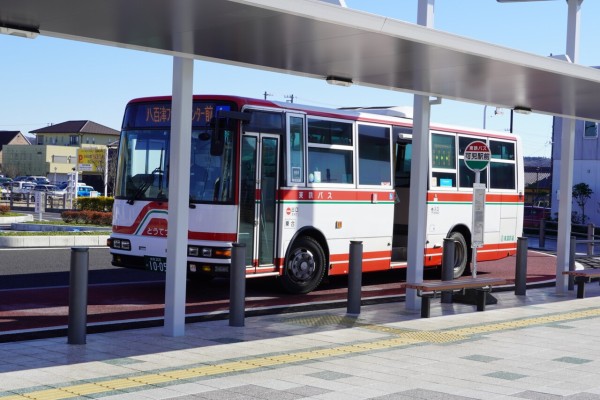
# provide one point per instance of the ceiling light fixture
(29, 33)
(338, 81)
(522, 110)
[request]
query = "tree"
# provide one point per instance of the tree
(581, 194)
(98, 158)
(11, 170)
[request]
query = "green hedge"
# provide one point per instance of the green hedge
(95, 203)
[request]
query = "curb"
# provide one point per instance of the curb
(53, 241)
(140, 323)
(12, 220)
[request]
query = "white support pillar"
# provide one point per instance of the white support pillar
(179, 193)
(567, 151)
(419, 168)
(573, 29)
(565, 203)
(105, 172)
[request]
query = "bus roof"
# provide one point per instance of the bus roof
(398, 115)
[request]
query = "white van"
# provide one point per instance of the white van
(20, 189)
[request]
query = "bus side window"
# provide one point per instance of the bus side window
(403, 160)
(443, 161)
(503, 165)
(296, 150)
(330, 152)
(374, 164)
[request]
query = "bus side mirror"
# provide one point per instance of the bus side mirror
(217, 140)
(223, 122)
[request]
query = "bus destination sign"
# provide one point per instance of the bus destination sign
(477, 156)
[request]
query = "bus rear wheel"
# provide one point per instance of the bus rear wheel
(461, 254)
(304, 266)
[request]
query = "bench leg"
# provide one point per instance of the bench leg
(580, 288)
(481, 300)
(425, 303)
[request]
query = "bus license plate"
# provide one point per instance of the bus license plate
(155, 263)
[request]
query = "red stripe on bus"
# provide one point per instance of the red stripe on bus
(143, 212)
(366, 255)
(333, 195)
(467, 197)
(217, 236)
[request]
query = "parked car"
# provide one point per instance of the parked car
(20, 190)
(533, 215)
(4, 180)
(49, 190)
(4, 193)
(40, 180)
(85, 191)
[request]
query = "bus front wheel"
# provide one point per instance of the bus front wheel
(461, 254)
(304, 266)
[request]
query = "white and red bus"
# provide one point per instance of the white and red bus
(297, 183)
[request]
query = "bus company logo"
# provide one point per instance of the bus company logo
(291, 211)
(156, 227)
(314, 195)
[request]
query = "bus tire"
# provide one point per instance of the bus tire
(461, 254)
(304, 266)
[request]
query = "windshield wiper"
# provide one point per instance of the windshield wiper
(148, 179)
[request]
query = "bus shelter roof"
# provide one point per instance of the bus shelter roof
(316, 39)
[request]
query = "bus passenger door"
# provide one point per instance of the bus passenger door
(258, 206)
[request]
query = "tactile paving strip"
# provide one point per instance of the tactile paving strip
(399, 338)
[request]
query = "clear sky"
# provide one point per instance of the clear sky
(48, 80)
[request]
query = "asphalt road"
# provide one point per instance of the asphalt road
(30, 268)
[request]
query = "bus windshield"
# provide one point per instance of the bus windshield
(144, 167)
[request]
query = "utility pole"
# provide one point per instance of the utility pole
(267, 94)
(289, 98)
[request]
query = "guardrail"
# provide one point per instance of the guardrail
(586, 234)
(574, 256)
(24, 201)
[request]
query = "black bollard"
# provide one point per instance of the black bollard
(355, 277)
(237, 285)
(572, 252)
(78, 288)
(448, 266)
(542, 240)
(521, 267)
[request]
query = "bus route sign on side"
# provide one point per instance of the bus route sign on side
(477, 156)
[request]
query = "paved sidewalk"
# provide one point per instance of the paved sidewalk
(538, 346)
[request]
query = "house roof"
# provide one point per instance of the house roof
(78, 127)
(7, 136)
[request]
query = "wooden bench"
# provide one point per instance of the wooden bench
(581, 277)
(427, 290)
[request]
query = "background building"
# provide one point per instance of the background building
(586, 166)
(10, 138)
(54, 152)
